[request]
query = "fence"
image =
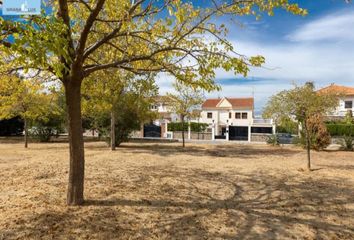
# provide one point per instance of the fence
(193, 135)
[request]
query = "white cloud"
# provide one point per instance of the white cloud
(337, 26)
(323, 63)
(164, 81)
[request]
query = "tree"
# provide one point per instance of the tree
(51, 122)
(23, 98)
(100, 97)
(304, 104)
(127, 120)
(69, 44)
(287, 125)
(114, 97)
(184, 102)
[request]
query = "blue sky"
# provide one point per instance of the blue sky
(318, 47)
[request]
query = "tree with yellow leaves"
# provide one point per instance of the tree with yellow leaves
(115, 92)
(24, 98)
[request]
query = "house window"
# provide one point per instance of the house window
(209, 115)
(348, 104)
(238, 115)
(244, 115)
(230, 115)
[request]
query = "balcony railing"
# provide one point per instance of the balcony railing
(262, 121)
(339, 113)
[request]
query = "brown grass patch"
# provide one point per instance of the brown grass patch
(160, 191)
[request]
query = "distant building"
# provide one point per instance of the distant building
(233, 119)
(158, 127)
(162, 106)
(345, 104)
(227, 118)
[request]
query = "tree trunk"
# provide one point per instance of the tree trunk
(182, 119)
(113, 131)
(75, 195)
(308, 156)
(308, 147)
(198, 128)
(26, 133)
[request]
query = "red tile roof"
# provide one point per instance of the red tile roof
(235, 102)
(211, 103)
(241, 102)
(337, 89)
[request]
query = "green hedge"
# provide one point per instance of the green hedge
(336, 129)
(195, 127)
(282, 129)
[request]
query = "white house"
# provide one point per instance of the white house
(345, 103)
(233, 119)
(163, 108)
(158, 127)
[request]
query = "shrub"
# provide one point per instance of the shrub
(177, 126)
(43, 130)
(198, 127)
(127, 121)
(347, 143)
(42, 133)
(273, 140)
(348, 119)
(195, 127)
(340, 129)
(320, 137)
(287, 125)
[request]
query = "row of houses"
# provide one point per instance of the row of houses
(232, 118)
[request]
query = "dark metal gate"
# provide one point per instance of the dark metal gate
(238, 133)
(152, 130)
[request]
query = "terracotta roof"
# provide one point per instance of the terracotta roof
(211, 102)
(337, 89)
(235, 102)
(241, 102)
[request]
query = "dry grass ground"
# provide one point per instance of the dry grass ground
(150, 191)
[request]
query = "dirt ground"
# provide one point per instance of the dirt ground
(159, 191)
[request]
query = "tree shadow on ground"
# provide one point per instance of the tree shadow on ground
(338, 166)
(164, 203)
(225, 150)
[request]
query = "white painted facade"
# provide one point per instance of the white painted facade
(164, 109)
(227, 117)
(345, 104)
(224, 115)
(160, 107)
